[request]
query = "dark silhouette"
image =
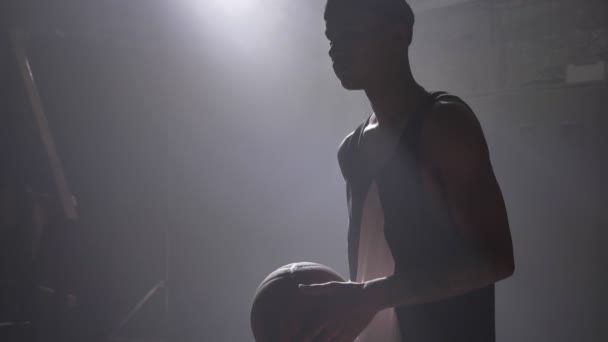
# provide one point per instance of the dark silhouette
(418, 175)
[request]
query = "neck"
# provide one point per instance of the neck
(394, 99)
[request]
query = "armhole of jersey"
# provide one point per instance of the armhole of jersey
(347, 152)
(344, 155)
(444, 96)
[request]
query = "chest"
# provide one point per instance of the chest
(409, 186)
(416, 223)
(377, 145)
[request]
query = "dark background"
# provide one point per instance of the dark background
(217, 122)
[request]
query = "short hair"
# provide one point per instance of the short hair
(395, 11)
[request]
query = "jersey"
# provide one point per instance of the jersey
(419, 233)
(375, 261)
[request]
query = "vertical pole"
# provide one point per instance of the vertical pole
(61, 185)
(602, 226)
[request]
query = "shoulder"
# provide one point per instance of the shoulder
(449, 110)
(451, 118)
(450, 128)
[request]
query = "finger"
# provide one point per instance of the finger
(315, 289)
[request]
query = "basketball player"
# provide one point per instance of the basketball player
(428, 230)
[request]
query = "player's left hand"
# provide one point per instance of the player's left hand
(347, 312)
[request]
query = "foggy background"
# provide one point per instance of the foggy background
(219, 121)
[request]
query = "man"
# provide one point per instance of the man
(428, 231)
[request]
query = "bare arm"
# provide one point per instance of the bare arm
(454, 145)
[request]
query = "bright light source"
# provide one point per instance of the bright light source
(244, 29)
(233, 7)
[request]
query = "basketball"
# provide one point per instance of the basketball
(276, 301)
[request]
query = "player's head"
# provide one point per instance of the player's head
(369, 39)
